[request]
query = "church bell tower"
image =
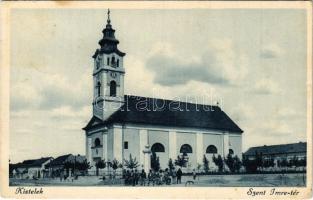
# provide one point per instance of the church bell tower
(108, 74)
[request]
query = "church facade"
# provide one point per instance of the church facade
(124, 124)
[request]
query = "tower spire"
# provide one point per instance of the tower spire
(108, 20)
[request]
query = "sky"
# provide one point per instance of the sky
(253, 62)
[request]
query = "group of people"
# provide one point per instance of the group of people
(160, 177)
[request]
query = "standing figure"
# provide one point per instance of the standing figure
(179, 174)
(143, 177)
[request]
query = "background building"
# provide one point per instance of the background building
(279, 152)
(31, 168)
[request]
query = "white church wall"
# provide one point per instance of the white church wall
(217, 141)
(131, 136)
(110, 144)
(190, 139)
(235, 144)
(96, 152)
(117, 142)
(162, 137)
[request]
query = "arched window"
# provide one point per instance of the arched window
(97, 142)
(231, 152)
(112, 88)
(211, 149)
(99, 88)
(186, 148)
(108, 60)
(157, 147)
(113, 60)
(118, 63)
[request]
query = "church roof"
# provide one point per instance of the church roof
(277, 149)
(144, 110)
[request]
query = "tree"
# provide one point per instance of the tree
(294, 162)
(205, 164)
(83, 166)
(180, 161)
(199, 166)
(155, 162)
(131, 163)
(233, 163)
(229, 160)
(268, 163)
(249, 164)
(68, 164)
(259, 160)
(100, 164)
(171, 165)
(219, 162)
(115, 164)
(237, 164)
(284, 162)
(302, 162)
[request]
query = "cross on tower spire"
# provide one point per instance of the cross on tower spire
(109, 20)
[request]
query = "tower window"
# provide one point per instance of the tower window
(125, 145)
(99, 88)
(112, 88)
(113, 60)
(98, 64)
(108, 61)
(97, 142)
(118, 62)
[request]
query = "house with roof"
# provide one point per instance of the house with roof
(125, 124)
(59, 166)
(279, 152)
(34, 168)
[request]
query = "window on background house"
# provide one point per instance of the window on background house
(125, 145)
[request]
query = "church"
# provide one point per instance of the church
(125, 124)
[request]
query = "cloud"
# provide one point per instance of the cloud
(242, 112)
(219, 63)
(24, 95)
(266, 86)
(42, 90)
(271, 51)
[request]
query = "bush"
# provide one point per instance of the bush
(219, 162)
(181, 161)
(131, 163)
(205, 164)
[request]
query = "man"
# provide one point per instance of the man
(143, 177)
(194, 174)
(150, 177)
(179, 174)
(136, 177)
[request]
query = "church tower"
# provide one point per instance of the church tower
(108, 75)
